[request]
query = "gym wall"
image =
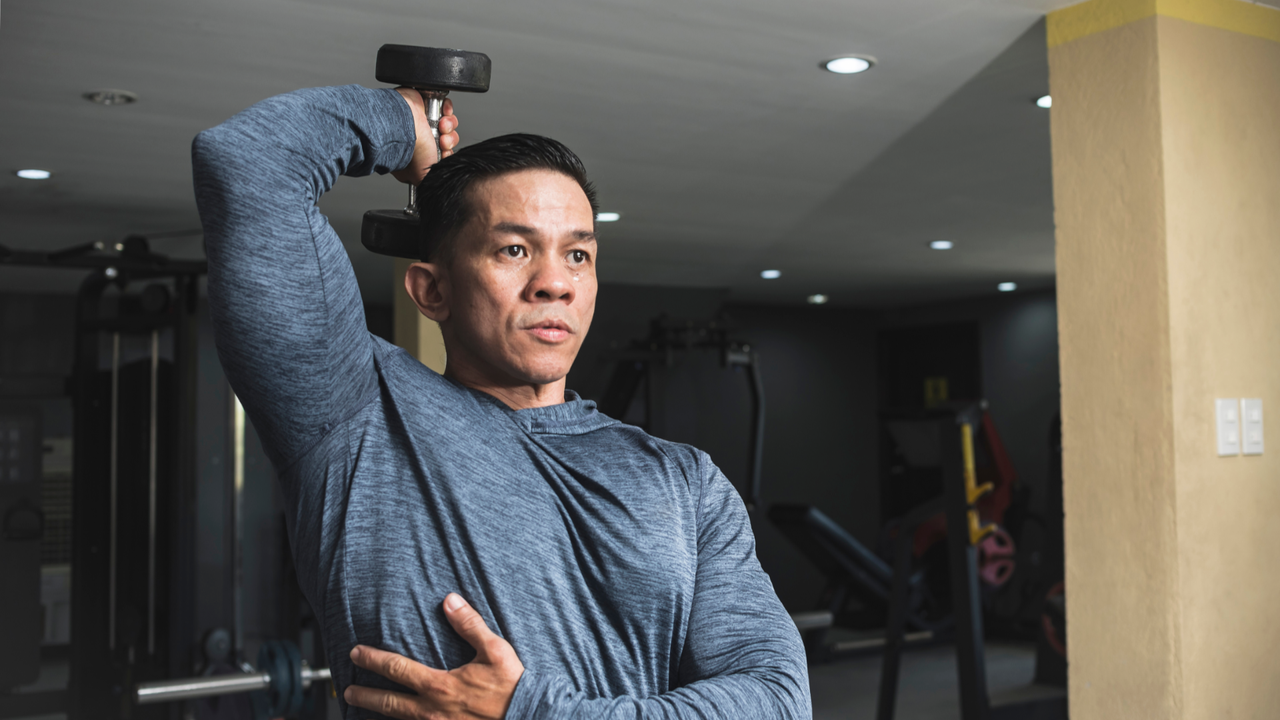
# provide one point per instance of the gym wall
(1165, 187)
(36, 349)
(1019, 348)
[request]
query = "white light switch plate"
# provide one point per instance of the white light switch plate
(1251, 426)
(1227, 411)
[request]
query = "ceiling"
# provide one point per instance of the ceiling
(707, 124)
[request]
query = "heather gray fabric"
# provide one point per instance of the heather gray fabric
(621, 567)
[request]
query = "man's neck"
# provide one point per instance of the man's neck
(517, 396)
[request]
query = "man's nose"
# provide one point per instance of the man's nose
(551, 281)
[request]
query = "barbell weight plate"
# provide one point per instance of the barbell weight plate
(433, 68)
(297, 694)
(283, 662)
(390, 232)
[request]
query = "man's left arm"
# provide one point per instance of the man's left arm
(742, 659)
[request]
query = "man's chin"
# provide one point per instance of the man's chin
(531, 377)
(545, 372)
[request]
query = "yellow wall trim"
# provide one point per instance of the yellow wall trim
(1094, 16)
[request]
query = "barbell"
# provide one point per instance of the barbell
(279, 686)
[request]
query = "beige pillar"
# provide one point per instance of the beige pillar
(413, 332)
(1166, 167)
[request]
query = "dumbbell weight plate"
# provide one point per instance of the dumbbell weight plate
(433, 68)
(391, 232)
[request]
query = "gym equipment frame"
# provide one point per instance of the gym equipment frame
(134, 471)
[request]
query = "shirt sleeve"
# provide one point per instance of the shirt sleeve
(743, 658)
(287, 314)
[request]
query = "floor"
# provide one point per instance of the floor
(928, 689)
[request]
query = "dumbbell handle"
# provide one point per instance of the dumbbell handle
(213, 685)
(435, 110)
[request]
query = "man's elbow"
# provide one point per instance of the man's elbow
(791, 688)
(782, 688)
(209, 149)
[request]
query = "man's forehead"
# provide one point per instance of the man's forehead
(528, 201)
(520, 184)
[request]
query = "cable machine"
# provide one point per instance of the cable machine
(133, 390)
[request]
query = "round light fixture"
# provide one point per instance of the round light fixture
(770, 274)
(818, 299)
(33, 174)
(110, 97)
(1007, 287)
(608, 217)
(1044, 101)
(848, 64)
(941, 245)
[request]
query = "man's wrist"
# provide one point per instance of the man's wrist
(407, 133)
(527, 698)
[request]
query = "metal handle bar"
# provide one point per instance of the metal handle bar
(201, 687)
(434, 100)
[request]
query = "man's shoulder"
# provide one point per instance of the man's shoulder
(411, 390)
(691, 461)
(396, 364)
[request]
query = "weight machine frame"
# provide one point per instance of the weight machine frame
(98, 678)
(955, 432)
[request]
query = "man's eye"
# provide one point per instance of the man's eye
(578, 256)
(514, 251)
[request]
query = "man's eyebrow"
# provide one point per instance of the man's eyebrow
(514, 228)
(518, 229)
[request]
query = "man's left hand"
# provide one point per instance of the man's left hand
(480, 689)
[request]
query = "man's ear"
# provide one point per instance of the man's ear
(428, 285)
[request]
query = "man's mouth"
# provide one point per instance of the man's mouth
(550, 330)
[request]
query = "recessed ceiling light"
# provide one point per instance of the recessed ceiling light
(770, 274)
(848, 65)
(608, 217)
(111, 97)
(941, 245)
(33, 174)
(1044, 101)
(1007, 287)
(818, 299)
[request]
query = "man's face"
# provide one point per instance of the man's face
(523, 277)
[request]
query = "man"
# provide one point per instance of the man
(606, 573)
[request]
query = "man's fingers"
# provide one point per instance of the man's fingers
(448, 133)
(391, 704)
(471, 626)
(396, 668)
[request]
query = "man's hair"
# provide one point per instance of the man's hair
(444, 196)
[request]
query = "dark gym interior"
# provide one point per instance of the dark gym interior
(206, 586)
(845, 294)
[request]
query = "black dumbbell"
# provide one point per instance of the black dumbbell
(435, 72)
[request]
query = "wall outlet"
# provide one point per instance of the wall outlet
(1251, 426)
(1227, 411)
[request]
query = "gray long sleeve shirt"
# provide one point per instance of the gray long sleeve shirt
(621, 567)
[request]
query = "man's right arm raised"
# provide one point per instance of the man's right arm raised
(287, 314)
